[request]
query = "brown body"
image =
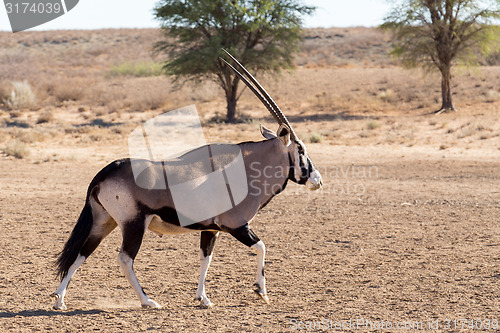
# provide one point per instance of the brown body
(124, 200)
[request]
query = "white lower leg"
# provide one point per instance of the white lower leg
(61, 290)
(260, 280)
(200, 293)
(126, 263)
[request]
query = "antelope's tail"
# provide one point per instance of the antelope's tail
(76, 240)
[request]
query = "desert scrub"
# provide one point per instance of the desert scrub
(45, 117)
(386, 95)
(372, 124)
(17, 149)
(315, 137)
(21, 96)
(138, 69)
(71, 91)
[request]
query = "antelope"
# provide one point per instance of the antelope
(114, 198)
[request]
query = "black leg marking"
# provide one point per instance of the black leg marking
(133, 233)
(93, 241)
(207, 242)
(90, 245)
(245, 235)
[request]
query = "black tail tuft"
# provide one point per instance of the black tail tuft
(75, 242)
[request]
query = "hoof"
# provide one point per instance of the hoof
(204, 303)
(59, 304)
(263, 296)
(59, 307)
(151, 305)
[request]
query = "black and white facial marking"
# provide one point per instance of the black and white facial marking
(303, 170)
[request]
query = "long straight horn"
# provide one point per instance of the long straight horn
(255, 91)
(277, 111)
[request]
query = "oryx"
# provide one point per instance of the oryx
(115, 199)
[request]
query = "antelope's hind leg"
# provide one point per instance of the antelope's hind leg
(61, 290)
(133, 233)
(102, 225)
(207, 244)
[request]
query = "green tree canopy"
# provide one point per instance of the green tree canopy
(437, 34)
(262, 34)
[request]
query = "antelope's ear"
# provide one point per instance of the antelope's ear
(266, 132)
(284, 134)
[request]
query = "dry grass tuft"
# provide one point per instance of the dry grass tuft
(386, 95)
(372, 124)
(21, 96)
(69, 92)
(45, 117)
(148, 100)
(138, 69)
(315, 137)
(16, 149)
(27, 135)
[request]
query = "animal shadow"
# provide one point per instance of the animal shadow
(47, 313)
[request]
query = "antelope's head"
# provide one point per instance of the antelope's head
(302, 168)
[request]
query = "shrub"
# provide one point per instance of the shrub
(315, 137)
(386, 95)
(372, 124)
(21, 96)
(17, 149)
(147, 100)
(45, 117)
(4, 93)
(69, 92)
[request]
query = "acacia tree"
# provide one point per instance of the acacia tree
(436, 34)
(262, 34)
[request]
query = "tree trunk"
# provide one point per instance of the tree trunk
(232, 100)
(447, 104)
(231, 109)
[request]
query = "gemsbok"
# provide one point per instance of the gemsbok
(115, 198)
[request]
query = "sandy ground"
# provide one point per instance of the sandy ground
(405, 235)
(406, 231)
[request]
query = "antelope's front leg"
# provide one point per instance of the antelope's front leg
(260, 280)
(207, 244)
(249, 238)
